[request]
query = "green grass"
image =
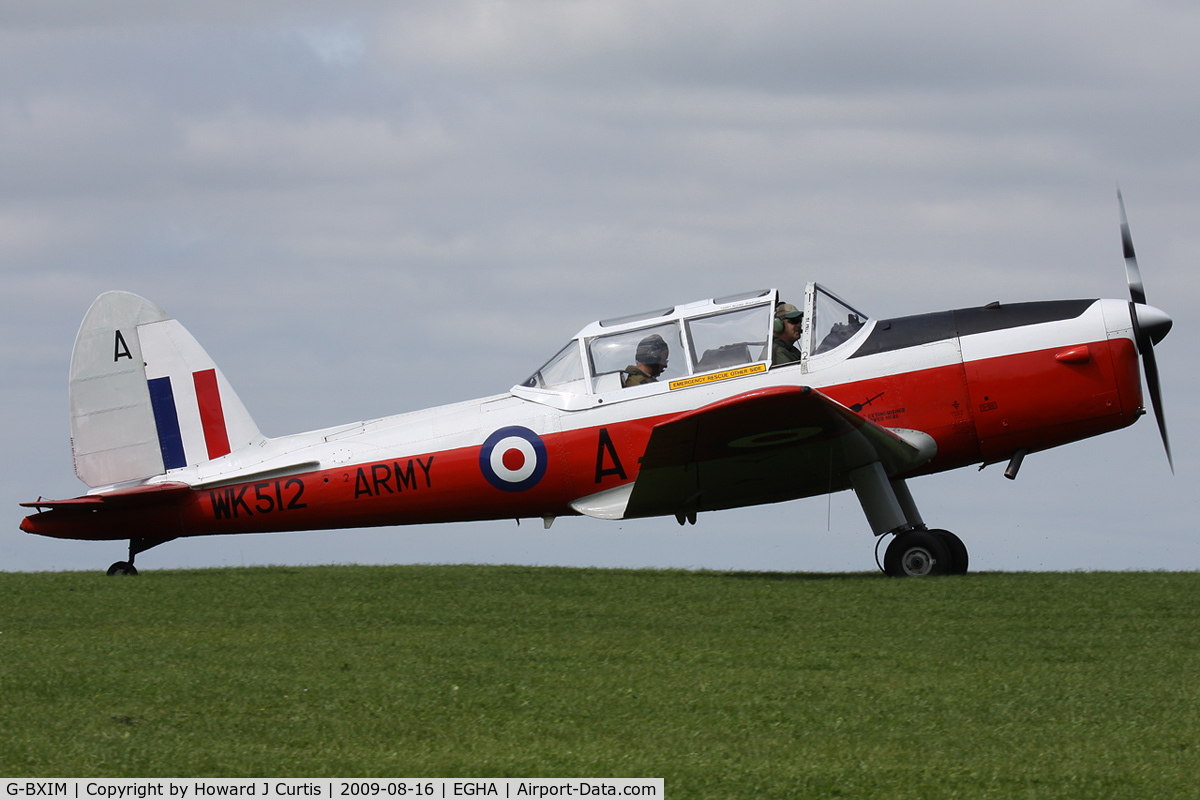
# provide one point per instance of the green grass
(725, 684)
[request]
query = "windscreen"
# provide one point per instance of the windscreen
(564, 371)
(834, 322)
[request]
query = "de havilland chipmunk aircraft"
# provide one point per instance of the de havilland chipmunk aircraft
(672, 412)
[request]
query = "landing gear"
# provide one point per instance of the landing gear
(958, 551)
(919, 553)
(135, 546)
(890, 508)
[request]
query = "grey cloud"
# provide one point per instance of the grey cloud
(318, 193)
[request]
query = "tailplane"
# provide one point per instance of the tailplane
(145, 397)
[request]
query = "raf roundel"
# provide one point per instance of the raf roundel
(513, 459)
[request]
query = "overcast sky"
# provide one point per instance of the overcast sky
(366, 208)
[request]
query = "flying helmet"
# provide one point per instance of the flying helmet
(652, 350)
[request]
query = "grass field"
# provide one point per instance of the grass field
(727, 685)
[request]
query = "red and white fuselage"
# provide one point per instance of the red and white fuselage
(724, 426)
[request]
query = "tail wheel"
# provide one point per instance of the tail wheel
(917, 554)
(122, 568)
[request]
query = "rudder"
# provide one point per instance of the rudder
(145, 396)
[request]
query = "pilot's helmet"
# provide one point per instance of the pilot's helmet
(652, 350)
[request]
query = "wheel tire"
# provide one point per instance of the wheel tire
(122, 568)
(958, 551)
(917, 554)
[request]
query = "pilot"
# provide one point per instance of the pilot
(651, 361)
(788, 320)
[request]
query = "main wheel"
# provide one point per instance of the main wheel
(917, 554)
(958, 551)
(122, 568)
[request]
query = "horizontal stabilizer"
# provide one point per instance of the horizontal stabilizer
(150, 494)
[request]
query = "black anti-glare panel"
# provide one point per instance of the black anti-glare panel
(902, 332)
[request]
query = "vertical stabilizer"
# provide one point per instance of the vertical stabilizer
(145, 397)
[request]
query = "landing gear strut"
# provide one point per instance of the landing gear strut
(135, 546)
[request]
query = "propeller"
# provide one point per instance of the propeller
(1150, 325)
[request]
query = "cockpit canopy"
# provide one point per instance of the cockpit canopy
(620, 358)
(832, 321)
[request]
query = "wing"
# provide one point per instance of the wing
(764, 446)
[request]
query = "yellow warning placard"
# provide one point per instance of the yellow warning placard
(713, 377)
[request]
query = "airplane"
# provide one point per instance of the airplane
(671, 412)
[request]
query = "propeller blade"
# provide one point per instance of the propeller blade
(1151, 370)
(1156, 328)
(1133, 275)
